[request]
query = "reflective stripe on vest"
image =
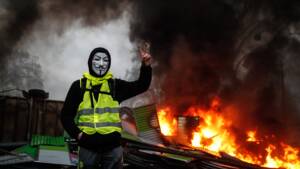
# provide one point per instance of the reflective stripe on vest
(104, 124)
(98, 110)
(104, 117)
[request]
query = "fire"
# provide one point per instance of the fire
(289, 159)
(214, 133)
(167, 123)
(252, 136)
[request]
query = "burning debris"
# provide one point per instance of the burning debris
(211, 129)
(148, 149)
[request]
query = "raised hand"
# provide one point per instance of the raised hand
(145, 55)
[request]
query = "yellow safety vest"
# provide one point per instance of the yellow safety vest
(104, 117)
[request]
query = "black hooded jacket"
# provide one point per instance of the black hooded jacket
(122, 91)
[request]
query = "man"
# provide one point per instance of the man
(91, 110)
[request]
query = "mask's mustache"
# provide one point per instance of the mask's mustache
(98, 65)
(102, 67)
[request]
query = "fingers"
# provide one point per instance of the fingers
(147, 60)
(144, 47)
(145, 55)
(144, 51)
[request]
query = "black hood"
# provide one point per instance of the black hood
(102, 50)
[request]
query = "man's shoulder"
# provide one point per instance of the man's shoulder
(75, 84)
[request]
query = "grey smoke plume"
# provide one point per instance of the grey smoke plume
(20, 16)
(192, 41)
(18, 69)
(23, 73)
(20, 20)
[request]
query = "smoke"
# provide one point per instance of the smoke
(22, 21)
(18, 17)
(191, 41)
(90, 13)
(204, 25)
(263, 98)
(19, 69)
(23, 73)
(237, 50)
(262, 92)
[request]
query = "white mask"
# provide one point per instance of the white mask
(100, 63)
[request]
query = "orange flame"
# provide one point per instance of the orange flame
(252, 136)
(290, 158)
(213, 134)
(167, 123)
